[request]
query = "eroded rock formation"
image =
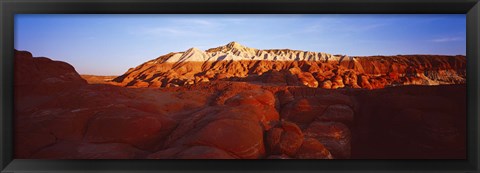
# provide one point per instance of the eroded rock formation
(236, 62)
(59, 116)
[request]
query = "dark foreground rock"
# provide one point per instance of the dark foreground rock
(59, 116)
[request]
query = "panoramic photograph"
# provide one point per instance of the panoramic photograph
(240, 86)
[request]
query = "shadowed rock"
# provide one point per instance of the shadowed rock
(59, 116)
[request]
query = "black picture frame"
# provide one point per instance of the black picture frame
(9, 8)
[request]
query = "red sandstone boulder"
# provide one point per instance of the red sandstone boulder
(25, 71)
(303, 110)
(42, 76)
(68, 124)
(339, 113)
(307, 79)
(33, 71)
(364, 82)
(125, 125)
(242, 138)
(285, 97)
(236, 130)
(334, 136)
(292, 80)
(337, 82)
(378, 82)
(274, 76)
(286, 138)
(350, 79)
(253, 97)
(262, 100)
(312, 149)
(327, 84)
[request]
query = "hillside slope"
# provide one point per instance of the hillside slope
(294, 68)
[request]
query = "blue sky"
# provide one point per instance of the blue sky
(110, 44)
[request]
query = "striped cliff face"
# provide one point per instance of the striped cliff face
(294, 68)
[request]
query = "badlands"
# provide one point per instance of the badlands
(235, 102)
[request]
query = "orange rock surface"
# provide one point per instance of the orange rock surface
(235, 62)
(243, 114)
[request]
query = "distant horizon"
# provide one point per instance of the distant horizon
(219, 46)
(109, 45)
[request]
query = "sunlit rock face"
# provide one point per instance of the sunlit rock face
(278, 109)
(294, 68)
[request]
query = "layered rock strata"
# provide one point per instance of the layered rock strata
(235, 62)
(58, 115)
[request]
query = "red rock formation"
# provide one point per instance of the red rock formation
(52, 76)
(303, 110)
(59, 116)
(287, 138)
(126, 125)
(326, 107)
(294, 68)
(335, 136)
(312, 149)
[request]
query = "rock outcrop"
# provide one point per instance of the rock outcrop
(235, 62)
(58, 115)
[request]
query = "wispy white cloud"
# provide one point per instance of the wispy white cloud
(369, 27)
(171, 31)
(196, 22)
(179, 28)
(336, 26)
(202, 22)
(448, 39)
(166, 31)
(234, 20)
